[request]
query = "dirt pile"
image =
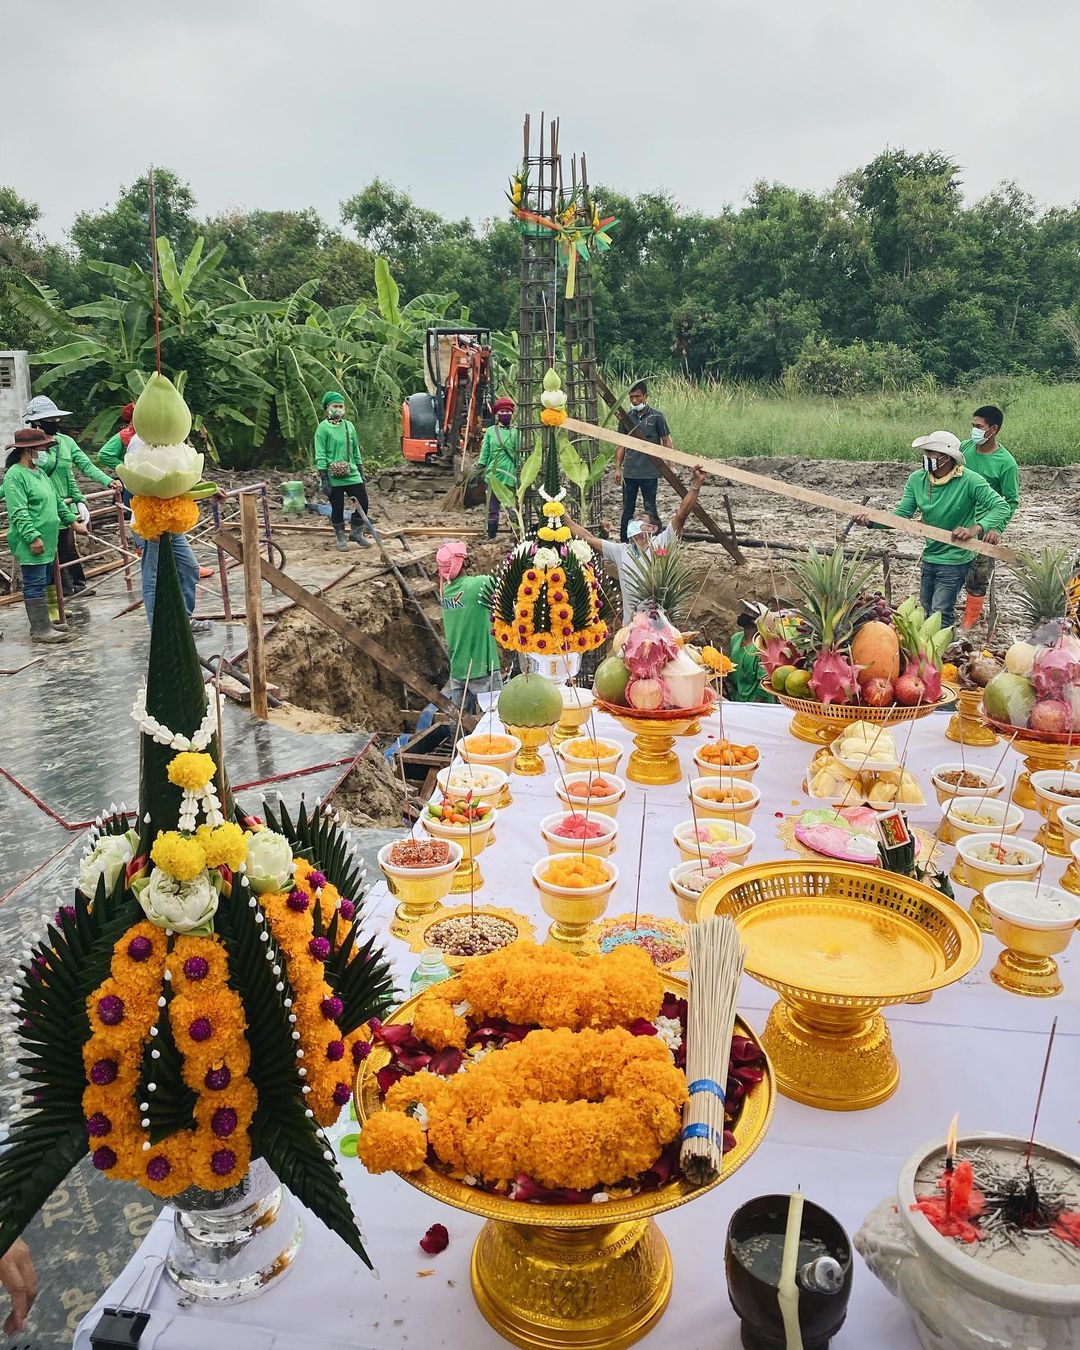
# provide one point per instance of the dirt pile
(371, 795)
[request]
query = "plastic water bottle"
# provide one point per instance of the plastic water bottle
(431, 970)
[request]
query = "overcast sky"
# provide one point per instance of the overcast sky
(291, 103)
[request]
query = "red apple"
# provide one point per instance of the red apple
(878, 693)
(909, 690)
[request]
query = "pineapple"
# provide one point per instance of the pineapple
(663, 579)
(831, 606)
(1043, 580)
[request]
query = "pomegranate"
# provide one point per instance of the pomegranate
(878, 693)
(909, 690)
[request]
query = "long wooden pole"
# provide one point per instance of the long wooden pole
(721, 469)
(253, 606)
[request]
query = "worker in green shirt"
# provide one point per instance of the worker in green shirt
(36, 515)
(949, 496)
(64, 458)
(115, 448)
(340, 467)
(985, 455)
(499, 457)
(474, 656)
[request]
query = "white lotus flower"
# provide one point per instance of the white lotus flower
(269, 862)
(183, 906)
(546, 557)
(160, 470)
(108, 858)
(581, 551)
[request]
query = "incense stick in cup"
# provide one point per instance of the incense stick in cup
(997, 770)
(1005, 810)
(640, 855)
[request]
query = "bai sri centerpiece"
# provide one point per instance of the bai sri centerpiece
(983, 1245)
(554, 1096)
(840, 655)
(190, 1016)
(654, 687)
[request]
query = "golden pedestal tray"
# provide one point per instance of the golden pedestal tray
(653, 760)
(572, 1277)
(1045, 750)
(966, 726)
(529, 762)
(839, 942)
(821, 723)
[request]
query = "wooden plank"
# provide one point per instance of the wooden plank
(720, 469)
(253, 606)
(281, 581)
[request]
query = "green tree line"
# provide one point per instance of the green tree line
(886, 279)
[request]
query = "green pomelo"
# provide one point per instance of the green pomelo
(530, 701)
(611, 678)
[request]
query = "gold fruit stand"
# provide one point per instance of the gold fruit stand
(1039, 750)
(653, 761)
(839, 942)
(821, 723)
(560, 1276)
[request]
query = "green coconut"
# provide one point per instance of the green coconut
(530, 701)
(611, 678)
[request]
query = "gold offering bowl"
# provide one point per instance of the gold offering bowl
(418, 937)
(574, 717)
(573, 1277)
(419, 891)
(653, 761)
(1049, 800)
(821, 723)
(573, 912)
(839, 942)
(969, 871)
(528, 761)
(503, 761)
(966, 725)
(1070, 878)
(1026, 964)
(472, 842)
(1038, 753)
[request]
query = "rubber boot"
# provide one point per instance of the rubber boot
(339, 530)
(973, 607)
(356, 531)
(41, 630)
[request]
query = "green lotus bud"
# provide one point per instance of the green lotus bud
(552, 381)
(161, 416)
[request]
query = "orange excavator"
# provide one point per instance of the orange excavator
(444, 425)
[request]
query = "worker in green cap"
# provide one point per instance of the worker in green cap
(340, 468)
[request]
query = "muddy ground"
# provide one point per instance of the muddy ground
(322, 674)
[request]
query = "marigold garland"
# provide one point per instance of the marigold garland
(552, 417)
(179, 855)
(222, 846)
(191, 770)
(155, 516)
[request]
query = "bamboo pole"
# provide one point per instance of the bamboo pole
(253, 606)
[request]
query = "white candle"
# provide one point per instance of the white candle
(788, 1291)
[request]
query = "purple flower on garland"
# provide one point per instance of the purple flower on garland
(298, 901)
(104, 1158)
(347, 910)
(332, 1008)
(158, 1168)
(196, 968)
(335, 1051)
(200, 1029)
(64, 910)
(36, 970)
(217, 1080)
(316, 880)
(103, 1072)
(223, 1162)
(319, 948)
(223, 1122)
(140, 948)
(98, 1125)
(111, 1010)
(360, 1051)
(342, 1094)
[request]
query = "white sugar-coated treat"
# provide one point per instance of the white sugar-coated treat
(1027, 901)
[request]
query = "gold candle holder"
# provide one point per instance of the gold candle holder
(966, 726)
(528, 761)
(419, 890)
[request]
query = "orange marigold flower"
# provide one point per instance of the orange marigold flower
(155, 516)
(392, 1142)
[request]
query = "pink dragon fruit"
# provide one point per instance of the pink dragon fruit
(1057, 668)
(647, 648)
(778, 652)
(646, 694)
(834, 679)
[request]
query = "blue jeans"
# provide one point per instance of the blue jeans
(939, 588)
(35, 577)
(187, 567)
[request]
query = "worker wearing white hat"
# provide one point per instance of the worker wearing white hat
(63, 459)
(949, 496)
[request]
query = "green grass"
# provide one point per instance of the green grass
(1042, 421)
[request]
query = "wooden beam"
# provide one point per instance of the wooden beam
(253, 606)
(721, 469)
(281, 581)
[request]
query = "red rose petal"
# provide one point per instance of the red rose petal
(435, 1240)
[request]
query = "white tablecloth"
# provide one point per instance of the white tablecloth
(973, 1049)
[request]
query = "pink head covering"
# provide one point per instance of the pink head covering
(450, 559)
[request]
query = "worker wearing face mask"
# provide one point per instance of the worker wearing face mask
(950, 497)
(985, 455)
(341, 469)
(635, 471)
(499, 457)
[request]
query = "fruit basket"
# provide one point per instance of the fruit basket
(821, 723)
